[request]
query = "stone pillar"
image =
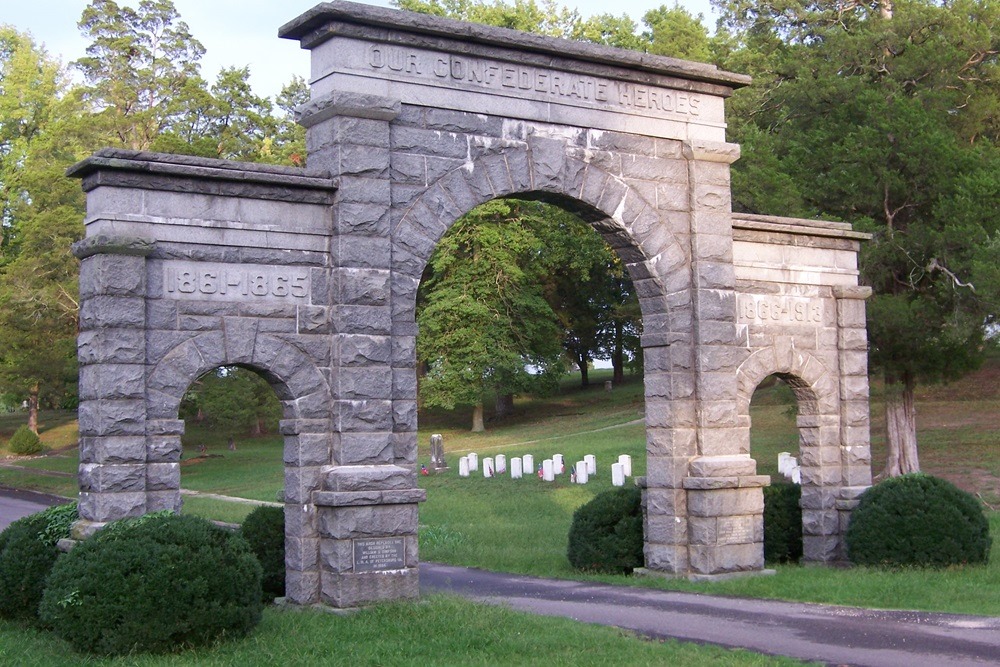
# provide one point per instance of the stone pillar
(855, 425)
(819, 457)
(724, 497)
(367, 519)
(725, 515)
(368, 502)
(114, 474)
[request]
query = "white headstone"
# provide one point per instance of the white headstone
(473, 461)
(626, 462)
(783, 458)
(501, 463)
(558, 465)
(582, 472)
(488, 469)
(528, 464)
(516, 471)
(796, 475)
(617, 474)
(547, 473)
(463, 466)
(591, 462)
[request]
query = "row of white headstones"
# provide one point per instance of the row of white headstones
(580, 472)
(788, 466)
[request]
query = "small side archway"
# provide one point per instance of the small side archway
(817, 397)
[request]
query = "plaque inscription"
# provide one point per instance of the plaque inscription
(766, 309)
(385, 553)
(211, 281)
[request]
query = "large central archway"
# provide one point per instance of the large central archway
(413, 122)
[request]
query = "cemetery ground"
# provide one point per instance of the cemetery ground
(521, 526)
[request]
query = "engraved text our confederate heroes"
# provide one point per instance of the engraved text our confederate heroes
(522, 79)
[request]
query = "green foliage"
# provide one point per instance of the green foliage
(235, 401)
(918, 520)
(158, 585)
(782, 523)
(24, 442)
(606, 533)
(883, 114)
(675, 32)
(27, 553)
(483, 316)
(264, 531)
(137, 61)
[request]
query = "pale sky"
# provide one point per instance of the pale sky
(245, 32)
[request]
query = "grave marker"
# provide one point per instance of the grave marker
(617, 474)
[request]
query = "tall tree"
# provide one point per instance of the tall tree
(30, 86)
(40, 134)
(885, 115)
(484, 322)
(137, 63)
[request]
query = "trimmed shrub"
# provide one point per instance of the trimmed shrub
(24, 442)
(917, 520)
(782, 523)
(156, 585)
(264, 531)
(27, 553)
(606, 533)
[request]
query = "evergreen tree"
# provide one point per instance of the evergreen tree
(885, 115)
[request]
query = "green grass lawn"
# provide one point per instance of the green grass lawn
(438, 630)
(521, 525)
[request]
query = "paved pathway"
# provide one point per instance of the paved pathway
(832, 635)
(15, 504)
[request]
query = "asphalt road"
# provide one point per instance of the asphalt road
(15, 504)
(831, 635)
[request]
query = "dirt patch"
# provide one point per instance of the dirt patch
(981, 385)
(980, 483)
(200, 459)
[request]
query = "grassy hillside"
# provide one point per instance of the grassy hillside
(521, 525)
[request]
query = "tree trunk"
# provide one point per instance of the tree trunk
(583, 364)
(477, 418)
(33, 408)
(900, 429)
(258, 428)
(505, 405)
(618, 355)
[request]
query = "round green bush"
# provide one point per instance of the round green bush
(606, 533)
(156, 585)
(917, 520)
(24, 442)
(264, 531)
(27, 553)
(782, 523)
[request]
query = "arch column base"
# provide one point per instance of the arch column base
(366, 517)
(726, 576)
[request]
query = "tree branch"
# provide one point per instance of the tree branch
(934, 265)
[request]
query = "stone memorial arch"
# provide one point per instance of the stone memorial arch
(310, 276)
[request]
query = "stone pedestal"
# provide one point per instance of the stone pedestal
(367, 522)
